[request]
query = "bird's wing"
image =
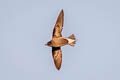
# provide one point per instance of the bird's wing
(57, 56)
(59, 25)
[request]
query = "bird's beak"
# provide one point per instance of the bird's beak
(45, 44)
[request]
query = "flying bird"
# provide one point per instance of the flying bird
(58, 41)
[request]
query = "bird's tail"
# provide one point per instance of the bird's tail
(71, 40)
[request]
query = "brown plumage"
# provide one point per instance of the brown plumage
(57, 56)
(58, 41)
(59, 25)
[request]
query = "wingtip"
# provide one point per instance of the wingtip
(58, 68)
(62, 10)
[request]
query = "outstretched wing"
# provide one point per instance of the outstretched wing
(59, 25)
(57, 56)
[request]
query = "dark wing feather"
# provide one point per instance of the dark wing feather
(57, 56)
(59, 25)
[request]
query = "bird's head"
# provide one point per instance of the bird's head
(49, 43)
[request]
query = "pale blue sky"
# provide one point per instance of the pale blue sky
(26, 25)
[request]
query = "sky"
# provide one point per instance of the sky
(26, 25)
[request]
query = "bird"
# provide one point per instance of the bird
(58, 41)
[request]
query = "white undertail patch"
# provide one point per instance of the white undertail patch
(70, 40)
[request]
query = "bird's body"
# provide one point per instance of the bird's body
(58, 41)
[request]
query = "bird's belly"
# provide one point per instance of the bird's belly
(59, 42)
